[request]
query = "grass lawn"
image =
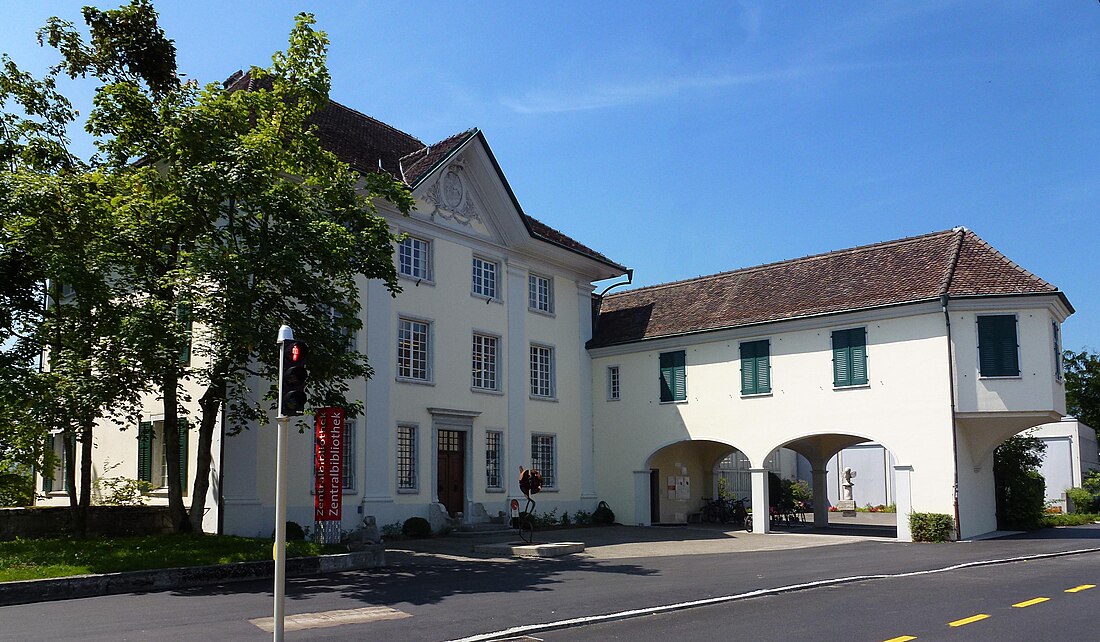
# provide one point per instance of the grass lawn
(28, 559)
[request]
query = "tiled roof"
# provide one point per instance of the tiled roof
(367, 145)
(908, 270)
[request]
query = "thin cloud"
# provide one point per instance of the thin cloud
(557, 101)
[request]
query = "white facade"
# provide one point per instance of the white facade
(1071, 453)
(906, 406)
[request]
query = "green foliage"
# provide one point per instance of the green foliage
(1083, 386)
(1091, 482)
(603, 515)
(1084, 501)
(121, 491)
(392, 530)
(931, 527)
(565, 521)
(1019, 486)
(16, 489)
(416, 527)
(582, 518)
(1070, 519)
(25, 559)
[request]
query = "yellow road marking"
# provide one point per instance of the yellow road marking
(1078, 589)
(1038, 600)
(968, 620)
(902, 638)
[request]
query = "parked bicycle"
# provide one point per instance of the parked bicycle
(725, 510)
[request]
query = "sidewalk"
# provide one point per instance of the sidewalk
(624, 542)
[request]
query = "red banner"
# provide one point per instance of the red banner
(329, 465)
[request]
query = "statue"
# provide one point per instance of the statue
(849, 475)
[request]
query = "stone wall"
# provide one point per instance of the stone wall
(51, 521)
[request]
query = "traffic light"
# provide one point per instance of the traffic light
(292, 381)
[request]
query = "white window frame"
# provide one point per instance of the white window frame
(478, 278)
(614, 383)
(414, 258)
(539, 298)
(419, 361)
(409, 483)
(498, 455)
(542, 375)
(489, 359)
(545, 444)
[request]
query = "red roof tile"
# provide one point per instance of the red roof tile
(896, 272)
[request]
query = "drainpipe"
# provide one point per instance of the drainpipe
(944, 298)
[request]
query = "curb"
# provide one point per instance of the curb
(77, 586)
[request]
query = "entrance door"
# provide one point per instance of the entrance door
(451, 471)
(654, 496)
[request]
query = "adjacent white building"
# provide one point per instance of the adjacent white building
(936, 347)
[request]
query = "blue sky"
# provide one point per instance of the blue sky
(683, 142)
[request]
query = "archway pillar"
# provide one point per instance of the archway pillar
(821, 497)
(903, 499)
(641, 498)
(761, 515)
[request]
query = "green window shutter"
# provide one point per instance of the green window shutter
(47, 472)
(145, 451)
(841, 359)
(755, 368)
(857, 341)
(998, 353)
(184, 426)
(183, 315)
(673, 376)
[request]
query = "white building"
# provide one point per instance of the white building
(479, 364)
(1071, 453)
(937, 347)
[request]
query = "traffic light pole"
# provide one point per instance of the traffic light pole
(285, 334)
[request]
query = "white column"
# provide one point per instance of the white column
(642, 515)
(821, 497)
(518, 446)
(761, 516)
(588, 446)
(378, 437)
(903, 495)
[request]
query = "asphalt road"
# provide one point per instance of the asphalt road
(441, 599)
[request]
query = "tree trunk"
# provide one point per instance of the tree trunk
(79, 517)
(85, 476)
(211, 404)
(177, 514)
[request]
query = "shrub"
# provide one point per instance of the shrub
(416, 527)
(1083, 500)
(565, 522)
(391, 530)
(603, 515)
(294, 532)
(582, 518)
(120, 491)
(16, 489)
(1069, 519)
(931, 527)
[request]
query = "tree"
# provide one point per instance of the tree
(1020, 488)
(1083, 387)
(225, 211)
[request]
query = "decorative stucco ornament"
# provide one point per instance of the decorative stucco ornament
(450, 196)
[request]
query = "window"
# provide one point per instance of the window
(542, 459)
(850, 357)
(613, 383)
(153, 453)
(406, 457)
(50, 483)
(344, 327)
(412, 350)
(485, 362)
(485, 277)
(998, 355)
(542, 371)
(1059, 367)
(414, 258)
(494, 456)
(755, 367)
(673, 376)
(347, 471)
(540, 293)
